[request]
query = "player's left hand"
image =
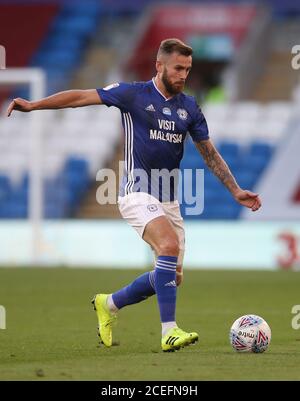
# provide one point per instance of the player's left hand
(248, 199)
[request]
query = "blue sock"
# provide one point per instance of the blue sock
(139, 290)
(165, 286)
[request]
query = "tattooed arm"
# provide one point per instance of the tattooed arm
(220, 169)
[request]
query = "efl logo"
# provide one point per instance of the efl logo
(296, 59)
(296, 319)
(2, 58)
(2, 318)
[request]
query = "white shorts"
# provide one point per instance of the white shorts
(139, 208)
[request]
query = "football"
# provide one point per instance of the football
(250, 333)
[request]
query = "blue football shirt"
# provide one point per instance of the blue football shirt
(155, 130)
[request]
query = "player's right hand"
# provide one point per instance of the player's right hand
(179, 275)
(20, 105)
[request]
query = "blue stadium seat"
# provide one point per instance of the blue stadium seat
(88, 8)
(229, 150)
(61, 51)
(255, 163)
(246, 178)
(14, 209)
(61, 42)
(261, 149)
(210, 195)
(63, 194)
(25, 181)
(54, 211)
(189, 144)
(20, 195)
(228, 211)
(5, 187)
(233, 162)
(76, 164)
(211, 181)
(58, 58)
(79, 25)
(191, 161)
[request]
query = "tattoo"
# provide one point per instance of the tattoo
(217, 164)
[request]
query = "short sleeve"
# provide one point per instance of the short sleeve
(120, 95)
(198, 128)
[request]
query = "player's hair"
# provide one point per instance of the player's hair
(173, 45)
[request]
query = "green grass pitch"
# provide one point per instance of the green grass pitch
(51, 327)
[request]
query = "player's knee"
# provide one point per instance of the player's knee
(169, 247)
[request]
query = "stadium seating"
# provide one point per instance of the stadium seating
(247, 165)
(246, 135)
(62, 50)
(76, 144)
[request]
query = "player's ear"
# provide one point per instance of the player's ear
(159, 66)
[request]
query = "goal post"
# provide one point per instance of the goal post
(35, 78)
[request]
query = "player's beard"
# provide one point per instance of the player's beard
(171, 88)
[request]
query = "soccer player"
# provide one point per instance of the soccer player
(156, 117)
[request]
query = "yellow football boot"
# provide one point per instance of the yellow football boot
(105, 318)
(176, 339)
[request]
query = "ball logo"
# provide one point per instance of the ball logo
(244, 334)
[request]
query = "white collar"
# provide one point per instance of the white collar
(166, 99)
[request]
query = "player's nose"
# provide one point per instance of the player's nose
(183, 76)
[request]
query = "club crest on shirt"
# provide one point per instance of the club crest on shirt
(111, 86)
(152, 208)
(182, 114)
(166, 111)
